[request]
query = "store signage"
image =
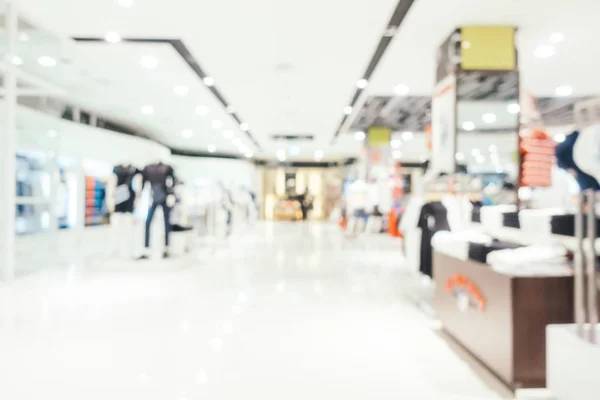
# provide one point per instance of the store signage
(489, 48)
(443, 126)
(468, 296)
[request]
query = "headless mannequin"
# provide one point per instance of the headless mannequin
(122, 199)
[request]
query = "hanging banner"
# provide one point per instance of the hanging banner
(443, 126)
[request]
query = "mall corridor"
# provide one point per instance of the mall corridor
(281, 311)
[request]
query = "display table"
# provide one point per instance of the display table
(501, 319)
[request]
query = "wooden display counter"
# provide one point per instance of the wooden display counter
(501, 319)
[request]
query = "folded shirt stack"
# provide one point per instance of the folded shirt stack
(511, 219)
(536, 260)
(565, 225)
(536, 223)
(457, 244)
(492, 216)
(479, 251)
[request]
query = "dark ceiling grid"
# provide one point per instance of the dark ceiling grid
(398, 16)
(187, 56)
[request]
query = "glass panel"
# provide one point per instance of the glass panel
(32, 176)
(32, 218)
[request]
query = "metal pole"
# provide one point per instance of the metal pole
(7, 152)
(579, 268)
(591, 267)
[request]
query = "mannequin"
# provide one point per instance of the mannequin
(160, 178)
(122, 200)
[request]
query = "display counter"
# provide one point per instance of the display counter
(501, 319)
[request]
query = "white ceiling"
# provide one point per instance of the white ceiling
(289, 66)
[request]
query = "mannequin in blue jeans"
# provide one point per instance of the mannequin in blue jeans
(167, 217)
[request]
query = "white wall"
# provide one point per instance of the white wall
(228, 171)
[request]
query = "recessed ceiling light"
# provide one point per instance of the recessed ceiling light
(236, 141)
(208, 81)
(396, 154)
(149, 62)
(47, 61)
(319, 155)
(230, 109)
(16, 60)
(459, 157)
(216, 124)
(390, 31)
(362, 83)
(23, 37)
(489, 118)
(544, 51)
(475, 152)
(249, 154)
(557, 37)
(201, 110)
(468, 125)
(244, 126)
(228, 133)
(112, 37)
(281, 156)
(52, 133)
(564, 91)
(396, 143)
(406, 136)
(401, 90)
(493, 148)
(212, 148)
(181, 90)
(559, 138)
(348, 110)
(147, 110)
(514, 108)
(187, 133)
(360, 135)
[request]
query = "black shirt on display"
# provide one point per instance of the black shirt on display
(433, 218)
(124, 194)
(158, 175)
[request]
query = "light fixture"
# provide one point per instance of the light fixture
(208, 81)
(236, 141)
(390, 31)
(149, 62)
(493, 148)
(406, 136)
(564, 91)
(396, 154)
(125, 3)
(201, 110)
(212, 148)
(112, 37)
(489, 118)
(181, 90)
(230, 109)
(216, 124)
(475, 152)
(559, 138)
(228, 133)
(468, 125)
(47, 61)
(514, 108)
(23, 37)
(187, 133)
(52, 133)
(401, 90)
(544, 51)
(396, 143)
(348, 110)
(147, 110)
(362, 83)
(319, 155)
(16, 60)
(360, 135)
(459, 157)
(249, 154)
(244, 126)
(281, 156)
(557, 37)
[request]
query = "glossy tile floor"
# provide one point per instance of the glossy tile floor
(278, 311)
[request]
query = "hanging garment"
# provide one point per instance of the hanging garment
(433, 218)
(565, 160)
(124, 195)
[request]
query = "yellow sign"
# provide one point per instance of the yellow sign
(379, 136)
(490, 48)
